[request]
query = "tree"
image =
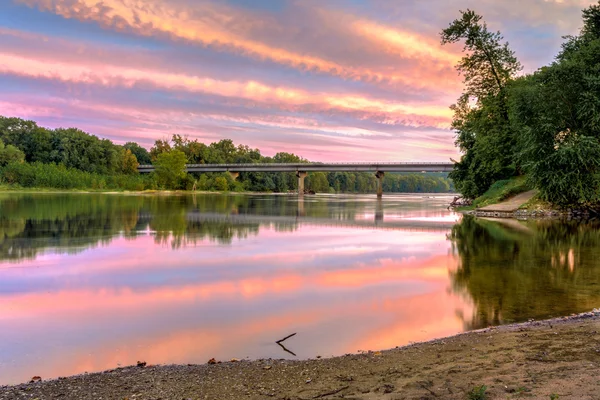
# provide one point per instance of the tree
(10, 154)
(221, 184)
(160, 146)
(140, 153)
(317, 181)
(557, 109)
(481, 121)
(170, 168)
(129, 162)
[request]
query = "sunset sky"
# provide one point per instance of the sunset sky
(335, 80)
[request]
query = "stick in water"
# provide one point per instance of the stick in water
(286, 338)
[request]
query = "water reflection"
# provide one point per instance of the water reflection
(516, 270)
(88, 282)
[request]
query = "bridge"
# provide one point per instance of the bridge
(302, 169)
(377, 223)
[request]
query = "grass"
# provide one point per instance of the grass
(478, 393)
(535, 203)
(500, 191)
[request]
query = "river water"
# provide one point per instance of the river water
(90, 282)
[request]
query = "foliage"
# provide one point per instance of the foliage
(39, 175)
(71, 147)
(129, 162)
(170, 168)
(502, 190)
(141, 154)
(546, 124)
(481, 121)
(557, 111)
(10, 154)
(478, 393)
(76, 149)
(489, 63)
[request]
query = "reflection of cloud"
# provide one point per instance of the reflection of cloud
(231, 316)
(106, 298)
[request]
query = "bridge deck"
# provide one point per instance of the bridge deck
(399, 224)
(316, 167)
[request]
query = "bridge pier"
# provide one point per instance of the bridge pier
(301, 175)
(379, 210)
(234, 175)
(379, 175)
(300, 212)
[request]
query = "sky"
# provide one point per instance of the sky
(329, 80)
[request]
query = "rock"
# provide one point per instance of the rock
(212, 361)
(141, 364)
(35, 379)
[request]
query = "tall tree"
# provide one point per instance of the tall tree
(481, 117)
(557, 109)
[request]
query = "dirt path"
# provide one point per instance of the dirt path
(555, 359)
(511, 204)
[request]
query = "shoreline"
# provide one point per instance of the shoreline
(188, 192)
(538, 214)
(559, 356)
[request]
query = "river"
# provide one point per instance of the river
(90, 282)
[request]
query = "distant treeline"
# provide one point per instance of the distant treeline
(38, 157)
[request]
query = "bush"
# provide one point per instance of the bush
(55, 176)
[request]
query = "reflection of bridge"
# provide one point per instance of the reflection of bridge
(302, 169)
(377, 222)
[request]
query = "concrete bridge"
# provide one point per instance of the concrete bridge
(376, 223)
(302, 169)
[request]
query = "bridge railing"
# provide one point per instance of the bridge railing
(361, 163)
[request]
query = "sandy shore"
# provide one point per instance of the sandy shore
(552, 359)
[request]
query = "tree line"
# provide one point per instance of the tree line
(34, 156)
(545, 125)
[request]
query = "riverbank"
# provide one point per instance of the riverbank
(552, 359)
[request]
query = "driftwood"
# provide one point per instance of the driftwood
(285, 348)
(460, 201)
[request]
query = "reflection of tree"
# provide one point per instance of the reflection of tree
(527, 270)
(30, 223)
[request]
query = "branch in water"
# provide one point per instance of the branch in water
(285, 338)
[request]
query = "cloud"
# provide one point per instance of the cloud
(334, 80)
(250, 34)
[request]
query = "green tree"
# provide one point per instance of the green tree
(481, 121)
(128, 163)
(140, 153)
(557, 109)
(10, 154)
(170, 168)
(317, 181)
(160, 146)
(221, 184)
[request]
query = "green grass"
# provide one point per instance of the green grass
(478, 393)
(500, 191)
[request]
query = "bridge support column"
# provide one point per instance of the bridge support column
(300, 212)
(379, 210)
(301, 175)
(234, 175)
(379, 175)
